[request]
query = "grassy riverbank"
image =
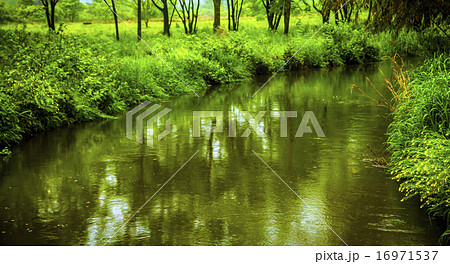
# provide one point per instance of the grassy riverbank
(419, 138)
(49, 80)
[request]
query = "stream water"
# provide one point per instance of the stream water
(88, 184)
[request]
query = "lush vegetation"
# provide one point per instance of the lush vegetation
(51, 79)
(419, 137)
(52, 76)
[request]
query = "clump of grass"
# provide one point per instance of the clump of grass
(428, 107)
(419, 135)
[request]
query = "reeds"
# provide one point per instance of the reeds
(399, 86)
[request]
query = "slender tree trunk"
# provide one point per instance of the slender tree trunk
(232, 15)
(287, 16)
(370, 12)
(166, 20)
(229, 15)
(216, 14)
(277, 22)
(139, 18)
(196, 16)
(115, 19)
(270, 20)
(239, 14)
(349, 19)
(47, 15)
(52, 15)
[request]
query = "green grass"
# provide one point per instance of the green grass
(419, 139)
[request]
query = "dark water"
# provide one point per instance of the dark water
(80, 184)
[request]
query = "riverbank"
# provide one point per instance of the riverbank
(50, 80)
(419, 139)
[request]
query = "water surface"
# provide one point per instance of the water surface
(79, 185)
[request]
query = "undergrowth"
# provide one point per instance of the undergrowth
(50, 79)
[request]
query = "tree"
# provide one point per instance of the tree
(344, 9)
(50, 13)
(167, 19)
(70, 9)
(415, 14)
(188, 14)
(347, 9)
(29, 10)
(98, 10)
(146, 8)
(139, 24)
(369, 4)
(325, 10)
(234, 12)
(147, 11)
(274, 11)
(5, 15)
(23, 3)
(287, 16)
(114, 11)
(217, 4)
(116, 23)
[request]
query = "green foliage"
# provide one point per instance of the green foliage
(415, 14)
(352, 44)
(411, 43)
(70, 9)
(5, 152)
(50, 80)
(6, 13)
(31, 13)
(419, 138)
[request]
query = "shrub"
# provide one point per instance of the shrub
(51, 80)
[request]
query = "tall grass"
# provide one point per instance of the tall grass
(419, 135)
(399, 86)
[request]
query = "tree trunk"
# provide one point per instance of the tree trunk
(139, 25)
(370, 12)
(47, 15)
(233, 22)
(349, 18)
(229, 15)
(277, 22)
(196, 16)
(287, 16)
(270, 20)
(325, 17)
(216, 14)
(115, 19)
(166, 20)
(52, 15)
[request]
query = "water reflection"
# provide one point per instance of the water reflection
(79, 185)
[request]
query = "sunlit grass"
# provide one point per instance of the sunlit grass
(419, 137)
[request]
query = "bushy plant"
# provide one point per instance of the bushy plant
(51, 80)
(352, 43)
(419, 138)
